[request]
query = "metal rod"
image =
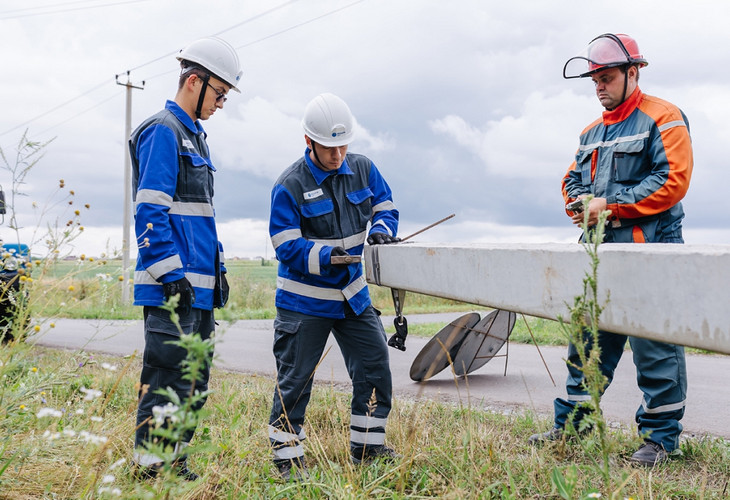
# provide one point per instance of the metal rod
(428, 227)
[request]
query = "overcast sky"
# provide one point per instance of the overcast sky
(461, 105)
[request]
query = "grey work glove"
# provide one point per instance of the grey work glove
(186, 292)
(381, 239)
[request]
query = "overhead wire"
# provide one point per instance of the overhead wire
(259, 40)
(27, 122)
(252, 18)
(257, 16)
(116, 94)
(62, 10)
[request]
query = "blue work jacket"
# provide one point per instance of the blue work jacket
(313, 211)
(173, 200)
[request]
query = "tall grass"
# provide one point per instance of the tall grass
(449, 451)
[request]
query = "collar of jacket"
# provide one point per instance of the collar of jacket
(194, 126)
(319, 174)
(624, 109)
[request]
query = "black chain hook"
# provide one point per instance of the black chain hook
(398, 340)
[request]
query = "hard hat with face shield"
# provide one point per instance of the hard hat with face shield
(605, 51)
(215, 56)
(328, 121)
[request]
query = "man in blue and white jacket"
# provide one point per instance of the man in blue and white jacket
(179, 252)
(324, 206)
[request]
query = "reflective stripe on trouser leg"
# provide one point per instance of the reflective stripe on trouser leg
(299, 341)
(363, 343)
(661, 374)
(285, 445)
(367, 431)
(612, 347)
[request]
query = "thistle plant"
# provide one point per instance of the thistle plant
(582, 331)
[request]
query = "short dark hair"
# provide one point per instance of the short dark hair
(187, 69)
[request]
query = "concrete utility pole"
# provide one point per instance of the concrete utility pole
(127, 202)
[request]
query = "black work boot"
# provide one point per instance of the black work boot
(292, 470)
(367, 454)
(554, 434)
(180, 467)
(649, 454)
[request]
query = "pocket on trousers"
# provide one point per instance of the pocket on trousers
(286, 341)
(158, 321)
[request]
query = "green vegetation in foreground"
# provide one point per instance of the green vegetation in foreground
(84, 450)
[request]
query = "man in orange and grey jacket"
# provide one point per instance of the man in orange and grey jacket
(636, 162)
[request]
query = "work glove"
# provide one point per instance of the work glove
(221, 291)
(225, 289)
(381, 239)
(338, 252)
(183, 288)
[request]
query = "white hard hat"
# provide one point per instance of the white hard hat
(216, 56)
(328, 121)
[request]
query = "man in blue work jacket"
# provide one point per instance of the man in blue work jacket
(179, 252)
(321, 207)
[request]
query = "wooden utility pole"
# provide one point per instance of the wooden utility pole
(127, 202)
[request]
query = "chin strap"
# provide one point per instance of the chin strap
(202, 95)
(316, 157)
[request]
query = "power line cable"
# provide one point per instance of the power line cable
(27, 122)
(253, 18)
(47, 6)
(326, 14)
(258, 40)
(82, 112)
(300, 24)
(60, 11)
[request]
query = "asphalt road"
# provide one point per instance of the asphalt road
(515, 380)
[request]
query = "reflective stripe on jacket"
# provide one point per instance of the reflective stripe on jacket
(173, 191)
(639, 158)
(313, 211)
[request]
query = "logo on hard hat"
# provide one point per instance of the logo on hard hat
(338, 130)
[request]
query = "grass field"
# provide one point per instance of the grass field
(60, 443)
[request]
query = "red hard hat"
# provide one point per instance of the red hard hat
(605, 51)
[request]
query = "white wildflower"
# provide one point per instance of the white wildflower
(109, 478)
(48, 412)
(112, 491)
(162, 413)
(107, 366)
(80, 411)
(96, 419)
(117, 463)
(51, 436)
(92, 438)
(91, 394)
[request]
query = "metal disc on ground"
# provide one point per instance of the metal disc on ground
(433, 357)
(483, 341)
